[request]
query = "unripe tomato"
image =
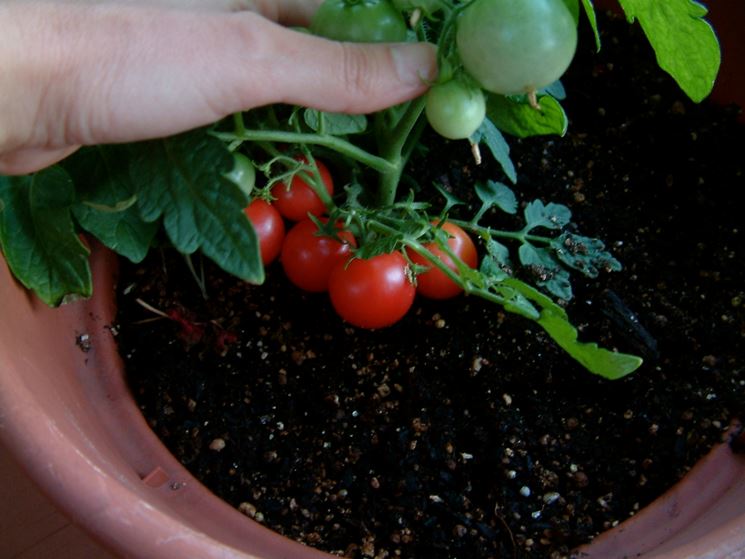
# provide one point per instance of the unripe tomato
(454, 109)
(298, 199)
(516, 46)
(433, 283)
(243, 173)
(269, 227)
(359, 21)
(372, 293)
(308, 259)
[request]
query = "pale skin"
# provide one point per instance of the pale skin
(84, 72)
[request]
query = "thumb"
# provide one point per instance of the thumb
(346, 77)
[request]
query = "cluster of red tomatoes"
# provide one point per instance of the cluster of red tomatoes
(369, 293)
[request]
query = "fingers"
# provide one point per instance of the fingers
(25, 161)
(348, 77)
(301, 69)
(89, 73)
(287, 12)
(172, 71)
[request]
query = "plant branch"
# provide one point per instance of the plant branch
(500, 234)
(336, 144)
(391, 148)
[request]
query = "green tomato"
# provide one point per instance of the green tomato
(359, 21)
(516, 46)
(454, 109)
(243, 173)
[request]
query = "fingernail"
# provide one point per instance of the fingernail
(415, 62)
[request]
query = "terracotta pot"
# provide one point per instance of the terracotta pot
(69, 419)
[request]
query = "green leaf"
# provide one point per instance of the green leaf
(546, 271)
(182, 179)
(592, 18)
(684, 43)
(551, 216)
(496, 264)
(584, 254)
(451, 200)
(516, 302)
(105, 205)
(521, 120)
(38, 237)
(554, 320)
(493, 193)
(494, 140)
(335, 124)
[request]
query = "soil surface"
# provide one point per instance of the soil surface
(463, 431)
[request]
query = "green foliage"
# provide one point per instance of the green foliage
(38, 237)
(489, 135)
(517, 118)
(181, 179)
(334, 124)
(592, 19)
(609, 364)
(685, 44)
(105, 204)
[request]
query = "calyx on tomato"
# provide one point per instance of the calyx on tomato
(297, 199)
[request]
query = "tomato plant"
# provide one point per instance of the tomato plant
(308, 257)
(492, 56)
(359, 21)
(269, 227)
(454, 109)
(298, 198)
(515, 47)
(374, 292)
(434, 283)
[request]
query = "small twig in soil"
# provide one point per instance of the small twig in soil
(151, 308)
(190, 332)
(506, 526)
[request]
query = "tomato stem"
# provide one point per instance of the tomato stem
(486, 232)
(240, 126)
(312, 177)
(348, 149)
(392, 148)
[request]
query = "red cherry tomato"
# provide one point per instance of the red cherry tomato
(308, 258)
(434, 283)
(298, 199)
(372, 293)
(269, 227)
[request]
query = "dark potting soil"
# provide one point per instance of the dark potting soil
(463, 431)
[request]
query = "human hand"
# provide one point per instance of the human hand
(83, 72)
